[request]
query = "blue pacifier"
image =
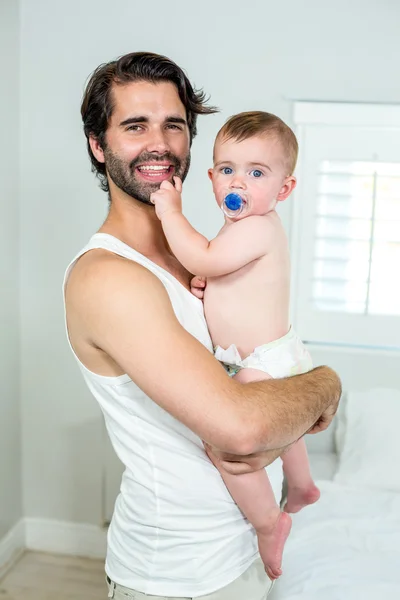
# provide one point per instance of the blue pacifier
(233, 204)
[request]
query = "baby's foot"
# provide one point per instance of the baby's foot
(271, 544)
(298, 498)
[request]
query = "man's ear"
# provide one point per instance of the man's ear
(287, 188)
(96, 149)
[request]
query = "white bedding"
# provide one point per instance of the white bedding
(345, 547)
(323, 466)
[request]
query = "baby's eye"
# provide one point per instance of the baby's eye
(226, 170)
(256, 173)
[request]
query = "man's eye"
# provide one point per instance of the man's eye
(256, 173)
(134, 128)
(173, 126)
(226, 171)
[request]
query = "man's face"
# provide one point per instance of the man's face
(147, 140)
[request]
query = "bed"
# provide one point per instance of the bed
(347, 545)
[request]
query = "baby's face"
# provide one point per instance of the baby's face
(256, 167)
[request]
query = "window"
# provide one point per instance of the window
(357, 236)
(346, 225)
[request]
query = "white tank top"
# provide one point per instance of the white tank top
(175, 530)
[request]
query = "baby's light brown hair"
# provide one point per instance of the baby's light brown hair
(246, 125)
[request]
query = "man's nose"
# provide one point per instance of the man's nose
(157, 142)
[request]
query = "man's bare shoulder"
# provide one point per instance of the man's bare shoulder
(99, 278)
(99, 268)
(101, 287)
(95, 262)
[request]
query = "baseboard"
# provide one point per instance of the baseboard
(12, 546)
(62, 537)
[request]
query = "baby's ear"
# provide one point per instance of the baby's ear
(287, 188)
(210, 174)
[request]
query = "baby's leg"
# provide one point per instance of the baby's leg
(301, 488)
(253, 494)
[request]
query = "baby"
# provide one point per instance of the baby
(246, 299)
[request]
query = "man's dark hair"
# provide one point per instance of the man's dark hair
(97, 104)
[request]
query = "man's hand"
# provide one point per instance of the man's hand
(197, 286)
(325, 419)
(168, 198)
(327, 415)
(238, 465)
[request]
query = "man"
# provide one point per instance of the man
(143, 347)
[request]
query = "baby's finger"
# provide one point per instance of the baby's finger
(198, 293)
(166, 185)
(178, 183)
(198, 281)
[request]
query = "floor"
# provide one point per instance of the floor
(39, 576)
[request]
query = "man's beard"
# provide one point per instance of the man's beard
(124, 175)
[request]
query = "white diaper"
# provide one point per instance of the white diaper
(281, 358)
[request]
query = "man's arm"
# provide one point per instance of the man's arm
(127, 313)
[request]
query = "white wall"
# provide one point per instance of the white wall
(247, 55)
(10, 438)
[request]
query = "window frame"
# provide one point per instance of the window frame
(331, 114)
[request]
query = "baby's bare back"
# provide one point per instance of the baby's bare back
(250, 307)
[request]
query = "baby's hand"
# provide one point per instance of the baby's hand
(168, 198)
(197, 286)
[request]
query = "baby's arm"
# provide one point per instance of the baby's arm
(239, 244)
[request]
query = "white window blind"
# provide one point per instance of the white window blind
(357, 238)
(346, 225)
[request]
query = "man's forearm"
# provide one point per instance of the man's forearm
(280, 411)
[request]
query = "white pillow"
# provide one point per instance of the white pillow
(367, 439)
(341, 424)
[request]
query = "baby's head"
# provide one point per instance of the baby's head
(255, 154)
